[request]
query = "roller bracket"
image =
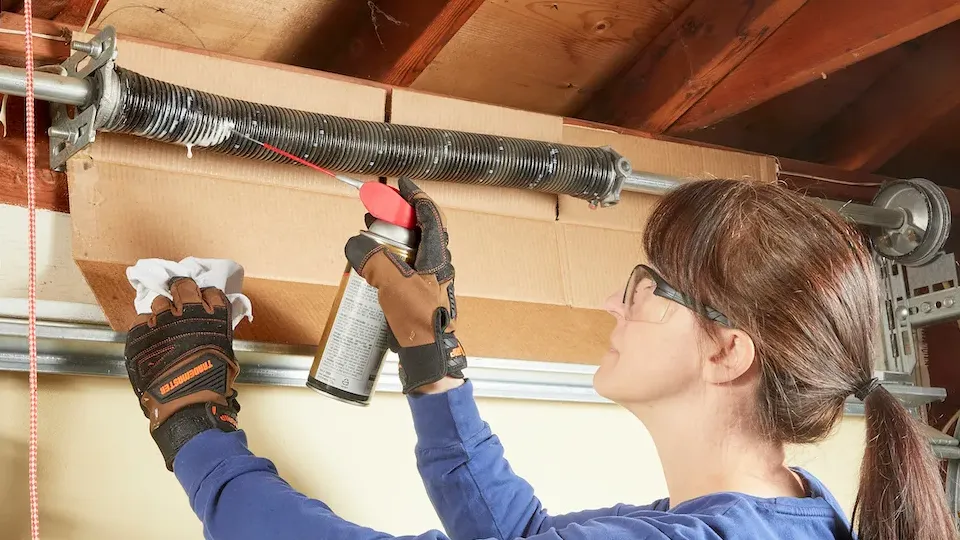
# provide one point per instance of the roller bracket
(69, 135)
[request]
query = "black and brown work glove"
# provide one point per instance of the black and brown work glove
(181, 365)
(419, 302)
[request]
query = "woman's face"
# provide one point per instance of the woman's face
(655, 350)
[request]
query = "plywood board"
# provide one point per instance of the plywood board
(544, 56)
(295, 313)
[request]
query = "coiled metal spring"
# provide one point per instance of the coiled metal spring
(165, 112)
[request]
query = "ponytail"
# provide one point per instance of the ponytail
(901, 495)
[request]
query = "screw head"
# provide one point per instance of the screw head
(926, 307)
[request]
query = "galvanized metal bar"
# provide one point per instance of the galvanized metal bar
(863, 214)
(79, 349)
(653, 184)
(93, 349)
(934, 307)
(951, 453)
(47, 86)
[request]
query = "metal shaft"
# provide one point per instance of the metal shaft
(47, 86)
(73, 91)
(861, 214)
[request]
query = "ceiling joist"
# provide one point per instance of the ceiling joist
(686, 60)
(393, 41)
(64, 11)
(898, 108)
(821, 38)
(45, 50)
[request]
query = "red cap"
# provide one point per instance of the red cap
(385, 203)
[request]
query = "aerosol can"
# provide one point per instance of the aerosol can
(355, 340)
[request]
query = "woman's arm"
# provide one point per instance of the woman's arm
(240, 496)
(472, 486)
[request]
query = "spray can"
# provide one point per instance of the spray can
(355, 339)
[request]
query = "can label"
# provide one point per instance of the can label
(357, 341)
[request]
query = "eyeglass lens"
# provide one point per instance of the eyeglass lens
(640, 302)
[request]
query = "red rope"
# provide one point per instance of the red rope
(32, 287)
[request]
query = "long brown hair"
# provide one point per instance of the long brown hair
(800, 281)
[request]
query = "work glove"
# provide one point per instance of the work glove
(180, 362)
(418, 303)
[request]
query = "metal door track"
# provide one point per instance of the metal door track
(94, 349)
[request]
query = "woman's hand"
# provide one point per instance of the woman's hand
(180, 362)
(419, 302)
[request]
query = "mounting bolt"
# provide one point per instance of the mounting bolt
(70, 135)
(903, 312)
(926, 307)
(948, 302)
(91, 48)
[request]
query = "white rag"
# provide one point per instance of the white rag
(150, 277)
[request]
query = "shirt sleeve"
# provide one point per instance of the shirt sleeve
(240, 496)
(469, 481)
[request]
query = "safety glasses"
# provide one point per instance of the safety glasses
(649, 298)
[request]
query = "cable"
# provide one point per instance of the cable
(41, 36)
(32, 284)
(831, 180)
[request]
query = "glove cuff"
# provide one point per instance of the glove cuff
(189, 422)
(429, 363)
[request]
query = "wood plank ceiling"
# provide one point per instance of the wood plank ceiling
(866, 86)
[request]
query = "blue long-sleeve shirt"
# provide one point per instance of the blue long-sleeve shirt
(239, 496)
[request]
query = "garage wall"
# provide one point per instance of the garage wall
(102, 477)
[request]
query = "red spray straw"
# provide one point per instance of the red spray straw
(382, 201)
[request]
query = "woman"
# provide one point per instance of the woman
(752, 324)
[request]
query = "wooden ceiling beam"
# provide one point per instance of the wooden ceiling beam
(75, 12)
(64, 11)
(392, 41)
(51, 186)
(821, 38)
(45, 50)
(896, 109)
(694, 53)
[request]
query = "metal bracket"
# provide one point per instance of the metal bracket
(100, 51)
(68, 135)
(913, 297)
(622, 170)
